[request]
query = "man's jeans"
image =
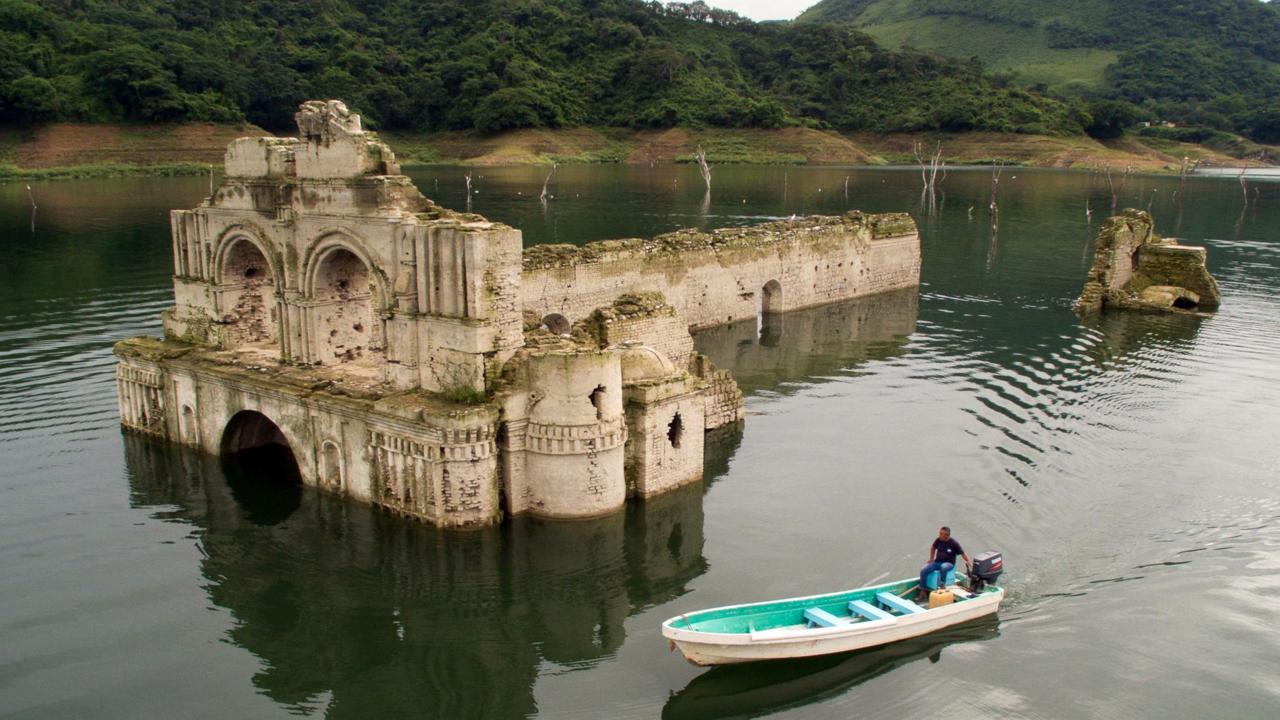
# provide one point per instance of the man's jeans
(942, 567)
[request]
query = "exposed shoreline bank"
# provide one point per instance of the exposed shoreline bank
(77, 151)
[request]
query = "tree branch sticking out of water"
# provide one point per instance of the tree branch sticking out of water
(544, 196)
(467, 178)
(846, 188)
(1244, 187)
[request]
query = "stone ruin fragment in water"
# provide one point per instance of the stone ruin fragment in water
(422, 360)
(1134, 268)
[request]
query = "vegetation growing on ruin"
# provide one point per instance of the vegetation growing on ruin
(1211, 63)
(488, 65)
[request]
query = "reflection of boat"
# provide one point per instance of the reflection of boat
(757, 689)
(823, 624)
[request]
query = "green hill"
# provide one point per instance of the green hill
(488, 65)
(1205, 62)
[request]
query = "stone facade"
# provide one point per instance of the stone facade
(1135, 268)
(420, 360)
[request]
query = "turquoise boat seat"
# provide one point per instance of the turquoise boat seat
(868, 611)
(902, 605)
(817, 617)
(931, 582)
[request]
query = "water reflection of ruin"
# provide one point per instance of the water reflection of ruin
(387, 617)
(814, 343)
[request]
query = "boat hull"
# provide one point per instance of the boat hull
(702, 648)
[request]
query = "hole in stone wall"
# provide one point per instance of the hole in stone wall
(251, 273)
(597, 401)
(675, 431)
(557, 324)
(1184, 303)
(331, 465)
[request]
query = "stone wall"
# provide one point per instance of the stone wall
(719, 277)
(440, 467)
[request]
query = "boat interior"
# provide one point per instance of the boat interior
(864, 605)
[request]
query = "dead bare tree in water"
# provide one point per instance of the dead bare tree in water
(846, 188)
(32, 197)
(467, 178)
(1244, 186)
(545, 183)
(703, 167)
(993, 207)
(1118, 190)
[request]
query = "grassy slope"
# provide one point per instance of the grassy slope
(1001, 47)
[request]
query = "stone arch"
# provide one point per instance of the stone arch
(347, 296)
(557, 324)
(250, 429)
(260, 467)
(771, 297)
(246, 281)
(332, 471)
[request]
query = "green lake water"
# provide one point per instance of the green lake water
(1128, 468)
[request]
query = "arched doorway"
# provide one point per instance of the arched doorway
(771, 297)
(248, 295)
(343, 293)
(260, 468)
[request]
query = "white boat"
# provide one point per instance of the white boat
(823, 624)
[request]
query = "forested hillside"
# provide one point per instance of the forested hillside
(1213, 63)
(484, 64)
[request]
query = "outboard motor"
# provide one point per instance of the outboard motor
(987, 567)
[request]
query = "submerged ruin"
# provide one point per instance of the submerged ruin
(1135, 268)
(422, 360)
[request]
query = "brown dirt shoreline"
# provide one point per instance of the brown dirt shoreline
(61, 145)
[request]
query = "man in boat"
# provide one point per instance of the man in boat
(942, 557)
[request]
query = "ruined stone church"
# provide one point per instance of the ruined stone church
(424, 361)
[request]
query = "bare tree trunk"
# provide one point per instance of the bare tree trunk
(704, 168)
(1244, 186)
(544, 196)
(846, 188)
(993, 209)
(467, 178)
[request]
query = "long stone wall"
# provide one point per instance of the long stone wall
(717, 277)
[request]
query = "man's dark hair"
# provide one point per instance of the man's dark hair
(944, 527)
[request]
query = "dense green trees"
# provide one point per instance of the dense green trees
(1214, 63)
(485, 64)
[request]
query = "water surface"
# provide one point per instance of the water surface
(1127, 467)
